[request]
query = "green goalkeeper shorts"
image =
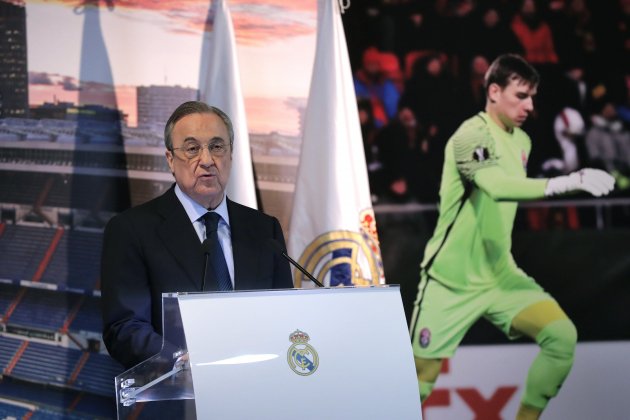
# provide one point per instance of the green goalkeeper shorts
(442, 316)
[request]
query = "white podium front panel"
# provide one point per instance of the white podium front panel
(311, 354)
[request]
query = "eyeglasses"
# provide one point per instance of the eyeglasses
(192, 149)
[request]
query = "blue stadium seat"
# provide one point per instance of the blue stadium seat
(22, 248)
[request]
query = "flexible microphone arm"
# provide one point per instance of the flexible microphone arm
(278, 248)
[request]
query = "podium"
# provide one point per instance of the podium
(327, 353)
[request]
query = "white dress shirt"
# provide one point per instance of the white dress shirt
(194, 211)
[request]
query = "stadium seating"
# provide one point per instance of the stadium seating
(7, 295)
(57, 403)
(48, 364)
(89, 316)
(22, 248)
(21, 187)
(43, 309)
(75, 262)
(10, 411)
(97, 375)
(8, 347)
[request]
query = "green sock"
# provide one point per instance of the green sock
(552, 365)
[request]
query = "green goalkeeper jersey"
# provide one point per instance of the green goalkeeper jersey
(485, 168)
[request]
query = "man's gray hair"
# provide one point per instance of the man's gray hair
(195, 107)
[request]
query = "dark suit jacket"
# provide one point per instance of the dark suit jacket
(153, 248)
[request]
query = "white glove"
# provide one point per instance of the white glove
(593, 181)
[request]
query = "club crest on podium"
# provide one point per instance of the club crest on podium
(301, 356)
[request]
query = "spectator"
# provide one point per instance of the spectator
(370, 83)
(534, 34)
(368, 24)
(569, 133)
(573, 30)
(473, 92)
(568, 128)
(573, 87)
(398, 152)
(370, 148)
(418, 29)
(624, 28)
(492, 36)
(430, 93)
(623, 109)
(608, 143)
(459, 16)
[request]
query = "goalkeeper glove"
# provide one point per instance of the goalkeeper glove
(593, 181)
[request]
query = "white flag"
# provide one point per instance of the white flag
(333, 230)
(220, 86)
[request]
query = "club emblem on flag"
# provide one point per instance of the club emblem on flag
(345, 257)
(301, 356)
(333, 229)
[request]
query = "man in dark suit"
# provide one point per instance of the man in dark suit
(156, 247)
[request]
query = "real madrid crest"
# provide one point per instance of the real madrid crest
(301, 356)
(345, 257)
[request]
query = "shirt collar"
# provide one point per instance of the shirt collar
(496, 128)
(195, 210)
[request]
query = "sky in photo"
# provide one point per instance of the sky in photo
(140, 43)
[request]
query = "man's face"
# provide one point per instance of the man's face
(203, 178)
(514, 103)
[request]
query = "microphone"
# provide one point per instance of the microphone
(205, 247)
(278, 249)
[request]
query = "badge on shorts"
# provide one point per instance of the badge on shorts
(425, 338)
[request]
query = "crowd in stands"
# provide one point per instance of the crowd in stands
(418, 73)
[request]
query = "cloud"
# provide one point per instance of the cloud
(39, 78)
(259, 23)
(255, 21)
(69, 83)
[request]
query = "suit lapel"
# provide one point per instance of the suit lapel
(244, 248)
(181, 240)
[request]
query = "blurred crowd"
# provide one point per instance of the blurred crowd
(418, 73)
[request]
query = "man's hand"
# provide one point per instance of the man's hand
(594, 181)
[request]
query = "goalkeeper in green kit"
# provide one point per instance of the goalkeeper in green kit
(468, 271)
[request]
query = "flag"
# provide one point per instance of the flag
(220, 86)
(333, 230)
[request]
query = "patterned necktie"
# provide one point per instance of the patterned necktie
(217, 259)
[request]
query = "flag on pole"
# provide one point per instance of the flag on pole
(333, 230)
(220, 86)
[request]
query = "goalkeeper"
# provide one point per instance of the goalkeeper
(468, 270)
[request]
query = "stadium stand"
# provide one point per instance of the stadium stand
(43, 309)
(83, 192)
(7, 295)
(97, 374)
(22, 249)
(89, 316)
(21, 187)
(46, 364)
(55, 402)
(11, 411)
(143, 190)
(75, 262)
(8, 347)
